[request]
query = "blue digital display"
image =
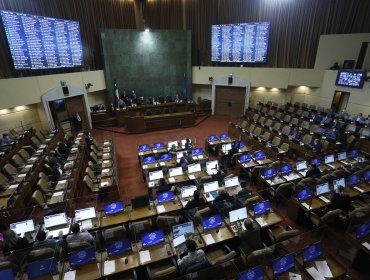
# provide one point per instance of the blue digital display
(38, 42)
(245, 157)
(144, 148)
(354, 154)
(165, 197)
(113, 208)
(255, 273)
(241, 144)
(7, 274)
(152, 238)
(259, 155)
(212, 138)
(363, 230)
(158, 146)
(165, 157)
(312, 252)
(119, 247)
(197, 152)
(40, 268)
(354, 179)
(242, 42)
(282, 264)
(367, 175)
(261, 207)
(286, 169)
(331, 134)
(224, 136)
(81, 257)
(149, 160)
(316, 161)
(212, 222)
(269, 173)
(354, 79)
(304, 194)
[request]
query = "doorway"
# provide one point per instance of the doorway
(340, 101)
(229, 101)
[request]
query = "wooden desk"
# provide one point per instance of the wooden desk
(119, 262)
(142, 213)
(223, 234)
(112, 220)
(10, 189)
(60, 267)
(177, 179)
(284, 275)
(170, 206)
(267, 220)
(296, 208)
(157, 252)
(90, 271)
(197, 175)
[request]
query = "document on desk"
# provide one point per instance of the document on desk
(144, 256)
(324, 269)
(109, 267)
(208, 238)
(87, 224)
(105, 161)
(13, 186)
(314, 273)
(305, 205)
(261, 221)
(58, 193)
(294, 276)
(70, 275)
(62, 182)
(360, 190)
(105, 170)
(171, 180)
(145, 166)
(366, 245)
(151, 184)
(191, 177)
(200, 156)
(323, 198)
(161, 209)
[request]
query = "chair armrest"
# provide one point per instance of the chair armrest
(149, 271)
(227, 248)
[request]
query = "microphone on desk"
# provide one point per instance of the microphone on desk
(218, 230)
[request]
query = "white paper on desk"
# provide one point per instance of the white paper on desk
(305, 205)
(104, 183)
(29, 165)
(294, 276)
(87, 224)
(160, 209)
(162, 163)
(58, 193)
(70, 275)
(22, 175)
(314, 273)
(200, 156)
(145, 166)
(366, 245)
(360, 190)
(144, 256)
(105, 161)
(106, 154)
(261, 221)
(105, 170)
(109, 267)
(171, 179)
(33, 159)
(62, 182)
(208, 238)
(13, 186)
(324, 269)
(191, 177)
(151, 184)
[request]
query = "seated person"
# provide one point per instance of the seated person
(193, 257)
(56, 174)
(250, 237)
(79, 236)
(11, 242)
(222, 196)
(54, 159)
(188, 145)
(296, 134)
(162, 186)
(316, 145)
(327, 121)
(185, 159)
(220, 175)
(6, 140)
(197, 201)
(340, 200)
(43, 242)
(313, 170)
(336, 124)
(359, 119)
(121, 104)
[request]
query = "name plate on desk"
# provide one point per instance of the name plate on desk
(161, 209)
(208, 238)
(305, 205)
(261, 221)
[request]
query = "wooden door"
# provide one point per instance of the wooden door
(75, 105)
(229, 101)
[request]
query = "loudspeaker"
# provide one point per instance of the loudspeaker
(230, 80)
(65, 90)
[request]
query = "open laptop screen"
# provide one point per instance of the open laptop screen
(322, 189)
(224, 136)
(354, 179)
(183, 229)
(144, 148)
(329, 159)
(176, 171)
(119, 247)
(84, 214)
(304, 194)
(316, 161)
(367, 175)
(155, 175)
(259, 155)
(197, 152)
(354, 153)
(212, 222)
(238, 214)
(363, 230)
(188, 191)
(7, 274)
(165, 157)
(165, 197)
(261, 207)
(171, 143)
(255, 273)
(282, 264)
(113, 208)
(158, 146)
(301, 165)
(211, 186)
(245, 157)
(342, 156)
(339, 182)
(40, 268)
(312, 252)
(286, 169)
(152, 238)
(23, 227)
(55, 220)
(231, 181)
(195, 167)
(269, 173)
(149, 160)
(212, 138)
(81, 257)
(211, 164)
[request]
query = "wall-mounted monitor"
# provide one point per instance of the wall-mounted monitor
(38, 42)
(353, 79)
(241, 42)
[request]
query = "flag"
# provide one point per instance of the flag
(116, 91)
(184, 94)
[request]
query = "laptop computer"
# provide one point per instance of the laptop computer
(245, 158)
(149, 160)
(81, 257)
(22, 227)
(155, 175)
(231, 181)
(339, 182)
(366, 175)
(282, 264)
(144, 148)
(212, 138)
(179, 243)
(301, 167)
(7, 274)
(165, 157)
(224, 136)
(259, 156)
(255, 273)
(165, 197)
(55, 220)
(119, 247)
(342, 156)
(236, 216)
(354, 154)
(114, 208)
(211, 167)
(152, 238)
(261, 208)
(322, 190)
(193, 168)
(197, 153)
(176, 171)
(40, 268)
(304, 194)
(211, 190)
(158, 146)
(187, 191)
(171, 143)
(185, 229)
(329, 160)
(316, 161)
(363, 230)
(354, 179)
(269, 173)
(312, 252)
(85, 214)
(212, 222)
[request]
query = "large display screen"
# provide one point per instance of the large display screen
(242, 42)
(354, 79)
(37, 42)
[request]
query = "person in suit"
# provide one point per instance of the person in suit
(340, 200)
(43, 242)
(55, 159)
(77, 122)
(193, 256)
(78, 235)
(313, 170)
(162, 186)
(121, 104)
(188, 145)
(56, 173)
(250, 237)
(185, 159)
(197, 201)
(316, 145)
